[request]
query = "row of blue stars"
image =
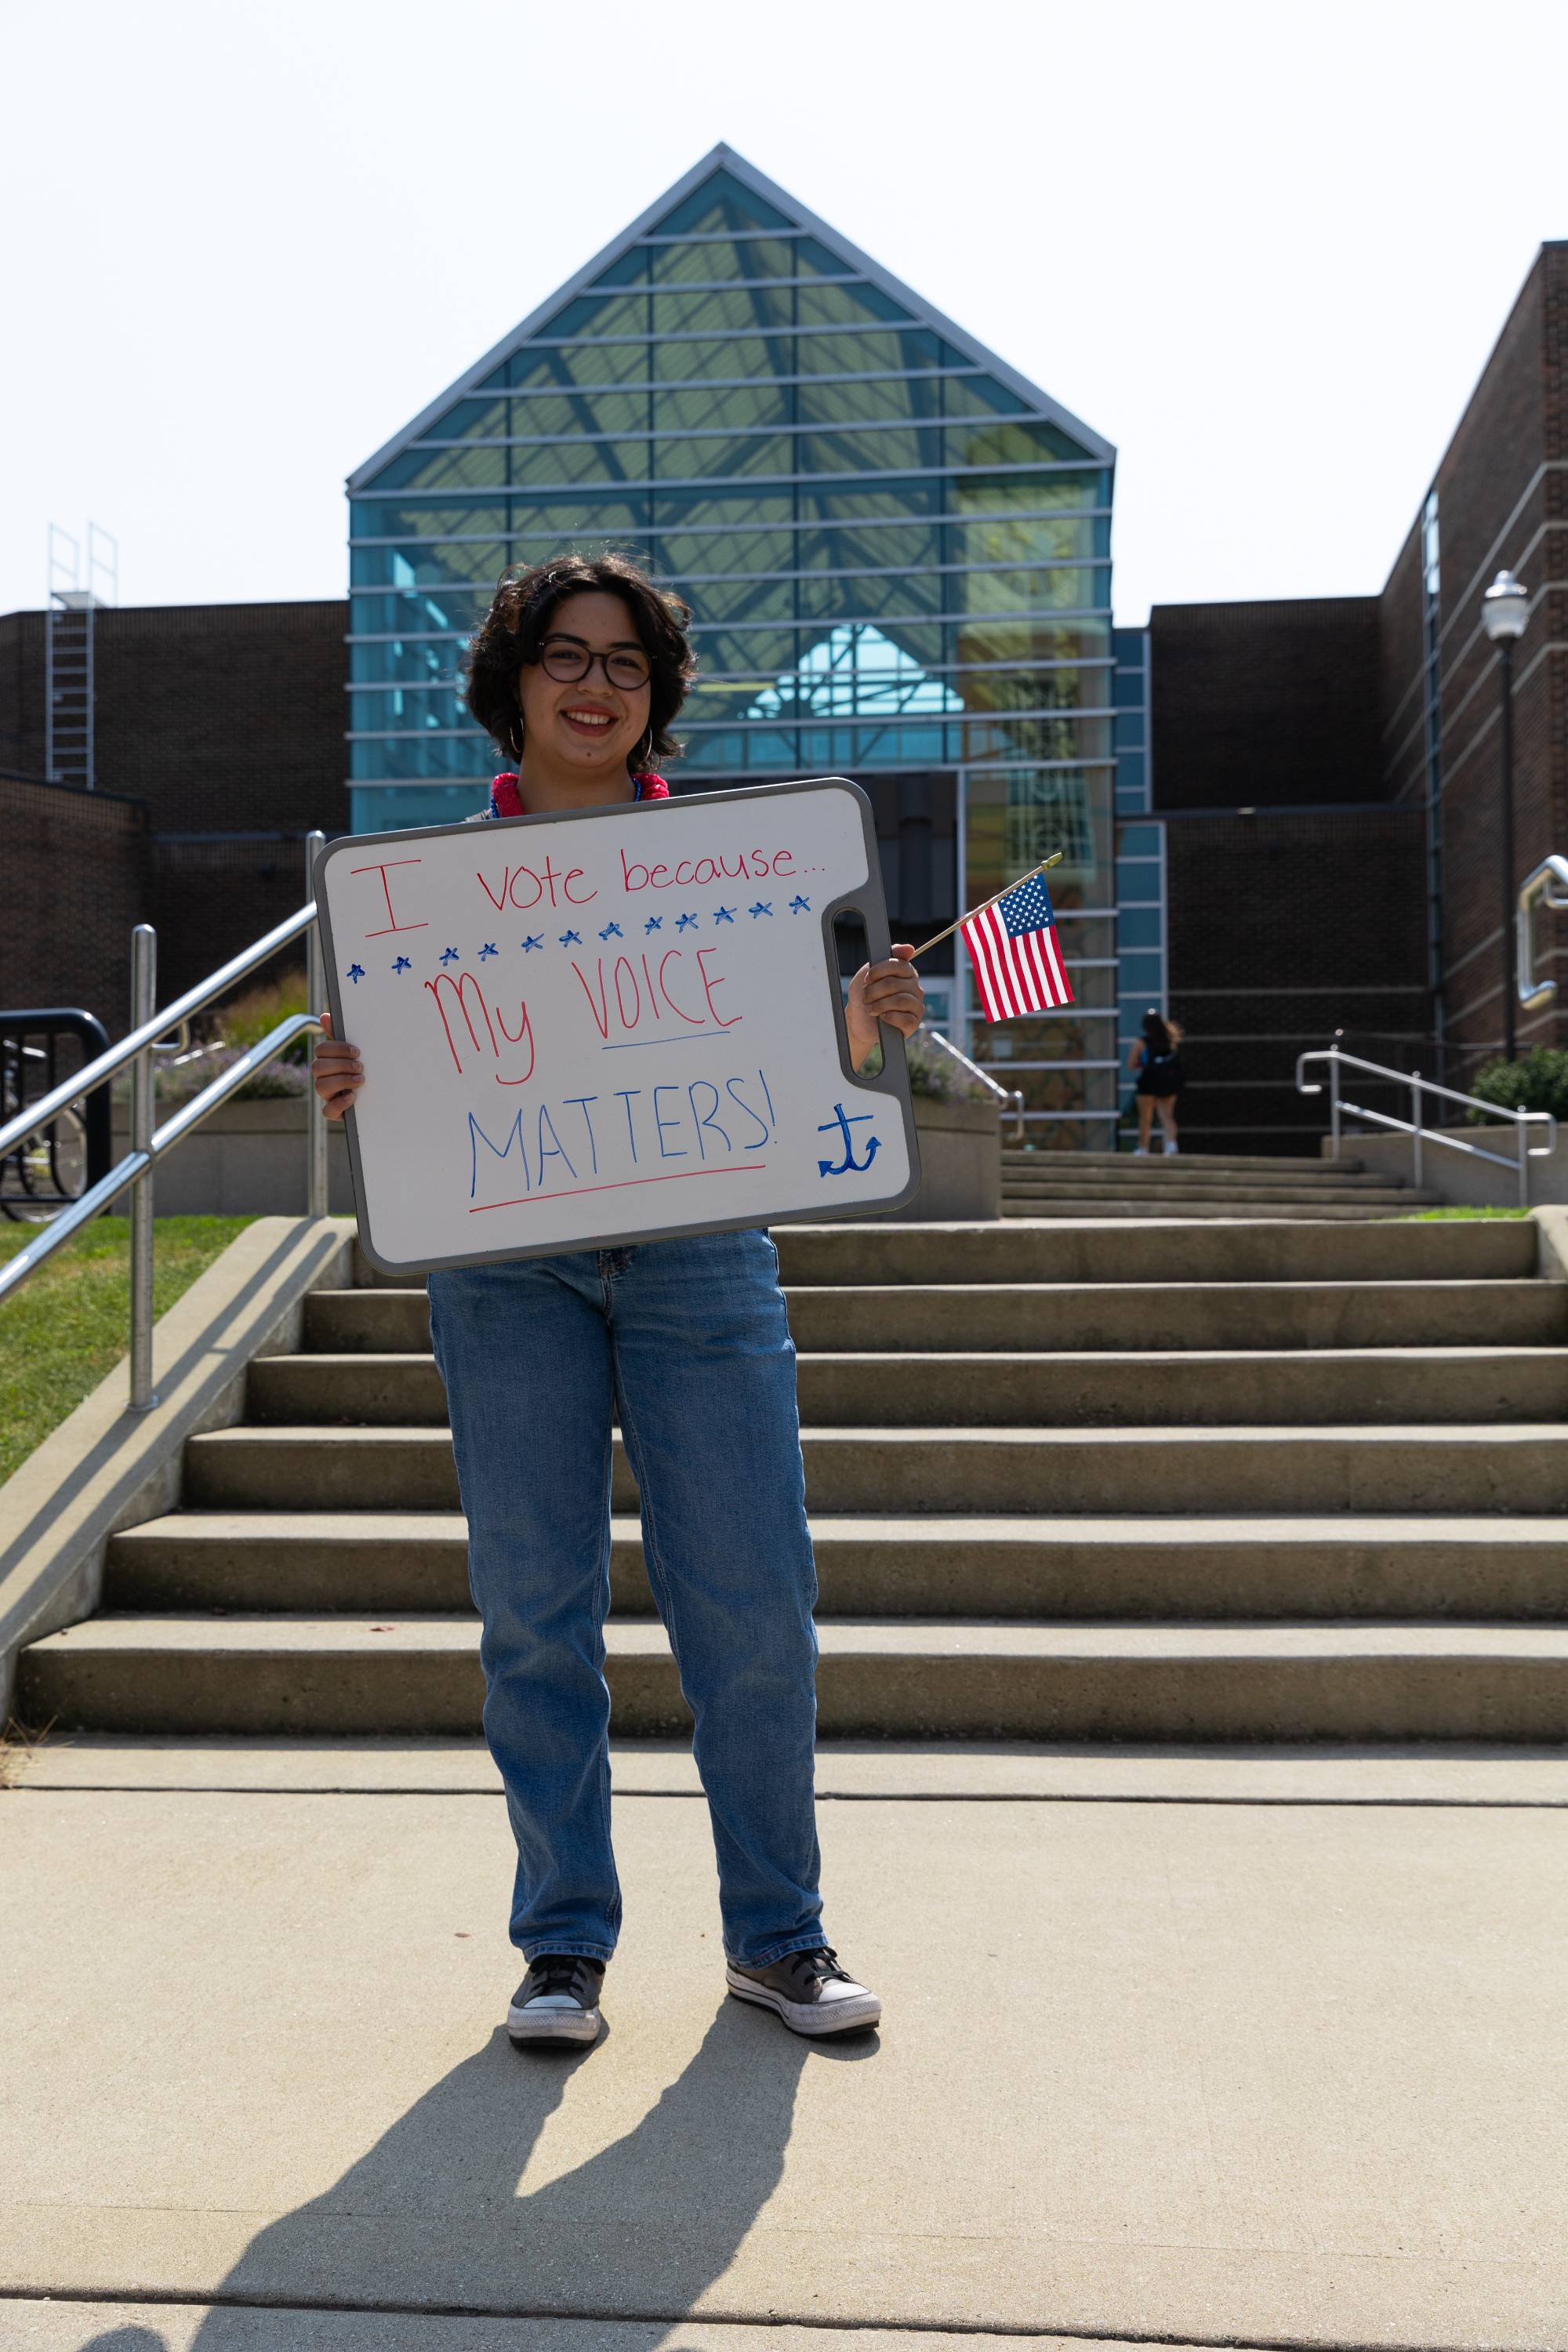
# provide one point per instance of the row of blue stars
(356, 972)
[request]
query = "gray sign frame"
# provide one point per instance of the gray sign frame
(892, 1081)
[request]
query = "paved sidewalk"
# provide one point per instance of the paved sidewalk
(1171, 2051)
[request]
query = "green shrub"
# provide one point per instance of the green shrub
(937, 1074)
(1538, 1081)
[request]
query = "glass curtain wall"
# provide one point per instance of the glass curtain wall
(899, 564)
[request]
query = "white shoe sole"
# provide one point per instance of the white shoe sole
(813, 2019)
(531, 2024)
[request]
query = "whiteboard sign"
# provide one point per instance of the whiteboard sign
(609, 1027)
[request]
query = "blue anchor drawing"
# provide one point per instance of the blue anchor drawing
(843, 1122)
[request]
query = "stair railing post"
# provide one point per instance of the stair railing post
(143, 1005)
(1415, 1123)
(1522, 1132)
(1334, 1097)
(316, 998)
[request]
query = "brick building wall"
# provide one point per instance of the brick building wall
(1285, 926)
(73, 881)
(1265, 705)
(220, 721)
(1502, 500)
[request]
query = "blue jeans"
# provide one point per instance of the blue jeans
(685, 1343)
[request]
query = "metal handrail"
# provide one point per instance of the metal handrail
(1535, 890)
(1012, 1095)
(1338, 1059)
(150, 1143)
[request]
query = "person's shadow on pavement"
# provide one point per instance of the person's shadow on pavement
(431, 2216)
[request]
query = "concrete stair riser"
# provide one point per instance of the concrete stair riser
(999, 1390)
(1092, 1250)
(1347, 1191)
(1066, 1316)
(1203, 1470)
(1202, 1572)
(1294, 1684)
(1254, 1211)
(1232, 1162)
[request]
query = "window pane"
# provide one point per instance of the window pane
(444, 469)
(717, 455)
(395, 808)
(974, 495)
(721, 202)
(871, 400)
(871, 452)
(836, 306)
(699, 409)
(629, 269)
(601, 314)
(1038, 641)
(416, 661)
(701, 510)
(1037, 739)
(760, 652)
(749, 355)
(596, 412)
(825, 502)
(1018, 817)
(872, 350)
(1031, 689)
(681, 553)
(407, 609)
(470, 420)
(582, 364)
(436, 756)
(581, 461)
(1069, 590)
(1007, 444)
(1050, 538)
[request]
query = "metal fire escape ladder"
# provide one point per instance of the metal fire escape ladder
(76, 589)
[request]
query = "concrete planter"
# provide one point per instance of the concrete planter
(1464, 1181)
(961, 1162)
(248, 1159)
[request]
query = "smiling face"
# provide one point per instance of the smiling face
(586, 726)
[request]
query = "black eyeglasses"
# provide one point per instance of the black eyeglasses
(567, 660)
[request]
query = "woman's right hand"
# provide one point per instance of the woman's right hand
(336, 1071)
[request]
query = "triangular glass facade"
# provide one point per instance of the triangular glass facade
(896, 549)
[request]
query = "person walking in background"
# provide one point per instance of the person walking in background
(1157, 1061)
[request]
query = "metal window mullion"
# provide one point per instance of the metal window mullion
(780, 428)
(710, 483)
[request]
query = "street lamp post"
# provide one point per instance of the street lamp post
(1505, 608)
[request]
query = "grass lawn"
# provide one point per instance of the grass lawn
(66, 1327)
(1424, 1216)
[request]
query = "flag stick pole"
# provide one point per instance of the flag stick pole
(935, 941)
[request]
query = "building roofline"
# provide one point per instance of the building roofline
(721, 157)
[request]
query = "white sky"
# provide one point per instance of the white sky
(1264, 248)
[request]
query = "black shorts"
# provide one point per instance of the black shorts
(1162, 1083)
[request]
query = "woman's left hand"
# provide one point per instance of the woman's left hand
(890, 991)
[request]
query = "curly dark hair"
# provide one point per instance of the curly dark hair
(518, 622)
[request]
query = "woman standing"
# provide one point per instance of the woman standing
(1161, 1077)
(578, 670)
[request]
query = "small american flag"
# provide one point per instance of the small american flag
(1013, 946)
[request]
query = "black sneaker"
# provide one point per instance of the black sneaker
(558, 2000)
(809, 1991)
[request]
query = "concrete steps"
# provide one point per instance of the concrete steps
(315, 1675)
(1127, 1477)
(924, 1317)
(1194, 1185)
(1368, 1568)
(1408, 1468)
(997, 1388)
